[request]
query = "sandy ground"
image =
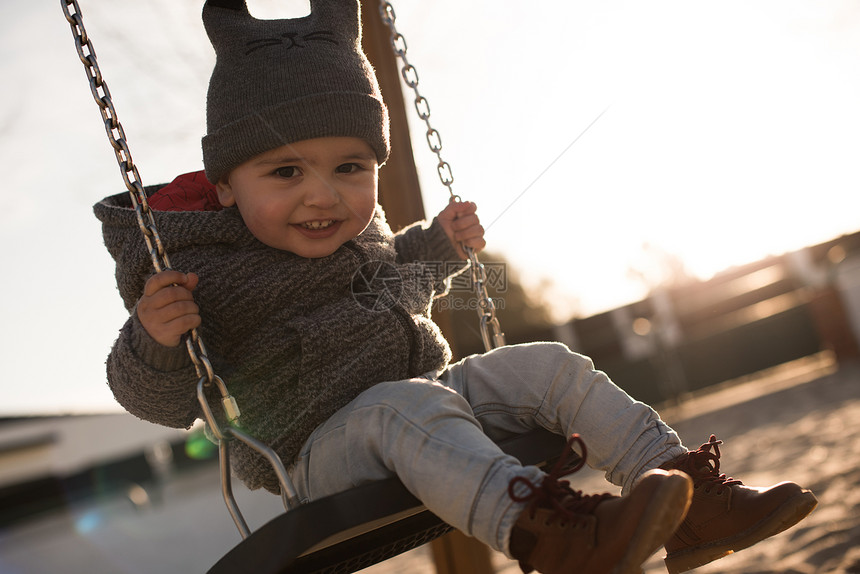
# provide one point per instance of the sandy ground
(801, 423)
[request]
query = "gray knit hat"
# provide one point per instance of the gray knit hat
(280, 81)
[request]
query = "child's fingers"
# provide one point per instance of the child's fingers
(462, 225)
(165, 279)
(465, 222)
(181, 316)
(461, 208)
(470, 234)
(467, 227)
(191, 280)
(477, 243)
(167, 309)
(167, 319)
(166, 296)
(176, 309)
(474, 240)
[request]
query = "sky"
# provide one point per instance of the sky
(590, 134)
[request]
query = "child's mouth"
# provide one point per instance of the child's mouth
(319, 228)
(318, 224)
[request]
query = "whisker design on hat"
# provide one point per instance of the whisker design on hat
(321, 35)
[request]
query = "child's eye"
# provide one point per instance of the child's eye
(348, 168)
(287, 171)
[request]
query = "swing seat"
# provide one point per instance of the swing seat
(357, 528)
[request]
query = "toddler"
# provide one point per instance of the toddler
(284, 254)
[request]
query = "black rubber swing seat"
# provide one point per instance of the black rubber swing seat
(360, 527)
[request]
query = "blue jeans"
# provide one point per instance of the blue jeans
(436, 434)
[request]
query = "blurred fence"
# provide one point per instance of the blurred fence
(685, 338)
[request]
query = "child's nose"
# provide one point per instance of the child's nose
(321, 193)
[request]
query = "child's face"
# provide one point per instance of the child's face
(308, 197)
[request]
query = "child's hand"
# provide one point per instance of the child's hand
(167, 309)
(462, 226)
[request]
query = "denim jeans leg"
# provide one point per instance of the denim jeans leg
(428, 436)
(436, 437)
(518, 388)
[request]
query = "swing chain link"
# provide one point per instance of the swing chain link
(145, 218)
(491, 331)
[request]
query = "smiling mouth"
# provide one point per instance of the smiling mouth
(318, 224)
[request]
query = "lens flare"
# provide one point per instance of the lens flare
(198, 447)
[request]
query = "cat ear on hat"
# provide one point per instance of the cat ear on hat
(334, 9)
(224, 20)
(237, 5)
(340, 15)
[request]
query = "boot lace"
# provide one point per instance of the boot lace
(556, 494)
(703, 466)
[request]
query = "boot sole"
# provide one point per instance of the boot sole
(665, 512)
(790, 513)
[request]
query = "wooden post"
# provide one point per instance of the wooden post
(399, 190)
(400, 196)
(456, 553)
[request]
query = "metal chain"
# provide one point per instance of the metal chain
(131, 177)
(491, 332)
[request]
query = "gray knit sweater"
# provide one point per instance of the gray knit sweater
(289, 335)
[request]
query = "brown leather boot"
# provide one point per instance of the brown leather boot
(563, 531)
(727, 516)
